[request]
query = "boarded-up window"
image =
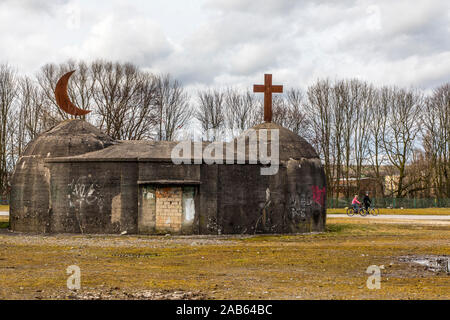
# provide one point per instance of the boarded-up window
(188, 204)
(166, 209)
(169, 208)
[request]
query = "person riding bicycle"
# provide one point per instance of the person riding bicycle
(367, 202)
(356, 203)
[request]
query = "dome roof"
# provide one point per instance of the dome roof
(30, 196)
(68, 138)
(292, 146)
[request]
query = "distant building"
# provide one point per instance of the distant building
(357, 186)
(391, 183)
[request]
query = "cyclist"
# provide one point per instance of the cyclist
(367, 202)
(356, 203)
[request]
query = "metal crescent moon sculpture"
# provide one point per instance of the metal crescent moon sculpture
(62, 98)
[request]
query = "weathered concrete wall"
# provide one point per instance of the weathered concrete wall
(153, 171)
(147, 209)
(292, 201)
(104, 197)
(306, 196)
(30, 206)
(241, 198)
(275, 201)
(93, 197)
(114, 194)
(208, 200)
(129, 174)
(30, 193)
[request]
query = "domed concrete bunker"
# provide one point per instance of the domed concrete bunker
(75, 179)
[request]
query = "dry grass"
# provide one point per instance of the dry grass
(426, 211)
(331, 265)
(4, 222)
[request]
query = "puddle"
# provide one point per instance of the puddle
(431, 263)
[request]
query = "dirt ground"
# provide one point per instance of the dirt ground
(329, 265)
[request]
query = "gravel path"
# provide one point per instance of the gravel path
(117, 241)
(402, 219)
(396, 216)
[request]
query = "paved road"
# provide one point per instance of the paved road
(395, 216)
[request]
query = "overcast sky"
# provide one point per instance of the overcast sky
(234, 42)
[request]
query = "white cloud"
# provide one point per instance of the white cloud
(139, 40)
(233, 42)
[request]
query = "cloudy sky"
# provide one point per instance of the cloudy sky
(234, 42)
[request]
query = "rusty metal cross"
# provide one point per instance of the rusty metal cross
(268, 89)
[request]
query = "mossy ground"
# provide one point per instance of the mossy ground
(421, 211)
(330, 265)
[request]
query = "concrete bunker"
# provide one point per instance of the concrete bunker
(75, 179)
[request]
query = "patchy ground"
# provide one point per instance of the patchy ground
(331, 265)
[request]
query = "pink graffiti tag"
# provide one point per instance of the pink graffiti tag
(318, 195)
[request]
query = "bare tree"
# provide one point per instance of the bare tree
(280, 110)
(364, 95)
(375, 132)
(31, 116)
(346, 100)
(8, 94)
(338, 117)
(124, 98)
(403, 108)
(243, 111)
(297, 120)
(436, 139)
(318, 110)
(211, 113)
(172, 107)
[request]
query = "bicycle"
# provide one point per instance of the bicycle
(373, 211)
(361, 211)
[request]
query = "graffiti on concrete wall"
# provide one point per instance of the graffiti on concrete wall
(213, 226)
(265, 220)
(167, 192)
(319, 195)
(299, 203)
(84, 193)
(81, 192)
